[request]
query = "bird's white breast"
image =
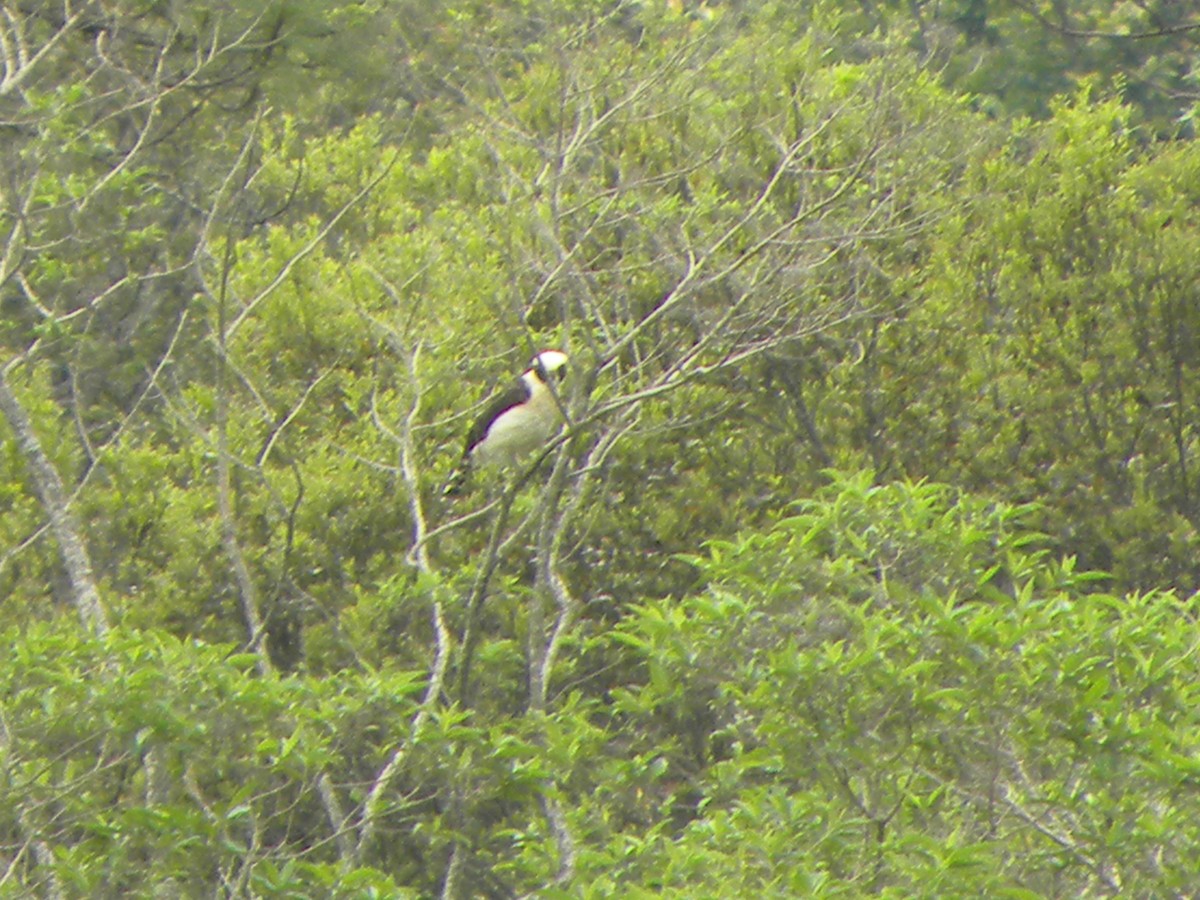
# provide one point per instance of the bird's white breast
(520, 430)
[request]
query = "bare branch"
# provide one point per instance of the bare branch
(1164, 31)
(41, 851)
(442, 641)
(249, 307)
(19, 62)
(64, 525)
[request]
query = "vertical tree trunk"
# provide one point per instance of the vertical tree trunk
(63, 524)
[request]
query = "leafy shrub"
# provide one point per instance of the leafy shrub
(895, 689)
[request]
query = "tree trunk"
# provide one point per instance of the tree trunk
(63, 524)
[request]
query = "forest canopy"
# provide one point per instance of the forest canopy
(864, 563)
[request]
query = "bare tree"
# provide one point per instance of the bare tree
(63, 523)
(97, 102)
(94, 97)
(746, 279)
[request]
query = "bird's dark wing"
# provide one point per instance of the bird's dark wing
(516, 393)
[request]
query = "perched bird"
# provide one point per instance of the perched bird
(517, 421)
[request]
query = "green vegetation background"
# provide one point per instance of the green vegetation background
(866, 567)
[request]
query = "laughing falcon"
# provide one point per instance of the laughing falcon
(517, 421)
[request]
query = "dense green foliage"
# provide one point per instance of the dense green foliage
(865, 567)
(893, 690)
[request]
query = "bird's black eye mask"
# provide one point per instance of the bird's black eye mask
(558, 374)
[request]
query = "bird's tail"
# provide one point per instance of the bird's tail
(458, 479)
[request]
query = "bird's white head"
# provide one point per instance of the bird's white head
(549, 363)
